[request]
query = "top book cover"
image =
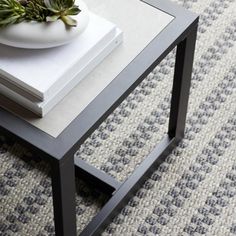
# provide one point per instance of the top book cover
(42, 73)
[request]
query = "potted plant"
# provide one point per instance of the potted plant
(41, 23)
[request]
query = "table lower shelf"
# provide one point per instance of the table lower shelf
(121, 193)
(95, 177)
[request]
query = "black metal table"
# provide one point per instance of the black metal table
(59, 151)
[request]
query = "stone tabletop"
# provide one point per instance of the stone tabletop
(140, 23)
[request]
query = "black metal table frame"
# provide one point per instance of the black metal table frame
(181, 32)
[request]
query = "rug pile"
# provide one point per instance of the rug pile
(192, 193)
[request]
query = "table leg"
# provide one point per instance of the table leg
(181, 85)
(179, 102)
(63, 187)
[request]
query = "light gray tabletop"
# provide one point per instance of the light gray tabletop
(140, 23)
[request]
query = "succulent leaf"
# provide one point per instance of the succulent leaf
(52, 18)
(69, 21)
(73, 11)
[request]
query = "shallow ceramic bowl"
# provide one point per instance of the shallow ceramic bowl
(36, 35)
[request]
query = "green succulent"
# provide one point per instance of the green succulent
(11, 12)
(36, 10)
(62, 9)
(16, 11)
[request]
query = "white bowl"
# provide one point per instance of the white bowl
(36, 35)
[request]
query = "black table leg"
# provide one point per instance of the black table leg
(63, 186)
(179, 103)
(181, 85)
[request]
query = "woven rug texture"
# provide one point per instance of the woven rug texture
(192, 193)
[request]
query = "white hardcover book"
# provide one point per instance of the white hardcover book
(40, 74)
(41, 108)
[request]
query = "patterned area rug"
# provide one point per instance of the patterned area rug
(192, 193)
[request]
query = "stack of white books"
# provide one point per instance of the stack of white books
(39, 79)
